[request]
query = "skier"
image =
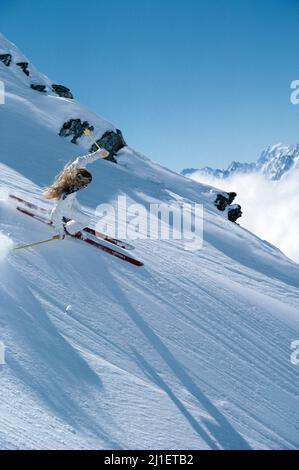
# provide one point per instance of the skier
(73, 177)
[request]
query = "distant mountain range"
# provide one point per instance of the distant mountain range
(273, 163)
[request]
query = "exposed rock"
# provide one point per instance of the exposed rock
(6, 59)
(41, 88)
(62, 91)
(224, 199)
(112, 142)
(24, 67)
(231, 197)
(75, 128)
(234, 212)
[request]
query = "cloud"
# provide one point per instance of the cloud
(270, 208)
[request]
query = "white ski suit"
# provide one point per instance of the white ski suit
(67, 203)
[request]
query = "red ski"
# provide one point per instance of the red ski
(95, 233)
(109, 250)
(94, 243)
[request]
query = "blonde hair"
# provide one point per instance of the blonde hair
(70, 177)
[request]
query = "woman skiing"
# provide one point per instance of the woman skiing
(73, 177)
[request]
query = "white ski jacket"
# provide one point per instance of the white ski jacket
(67, 203)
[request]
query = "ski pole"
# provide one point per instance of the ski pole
(56, 237)
(105, 153)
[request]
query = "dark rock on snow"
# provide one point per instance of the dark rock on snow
(223, 200)
(24, 67)
(6, 59)
(62, 91)
(112, 142)
(41, 88)
(75, 128)
(234, 212)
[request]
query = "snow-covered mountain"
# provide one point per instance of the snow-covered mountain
(267, 191)
(191, 351)
(273, 163)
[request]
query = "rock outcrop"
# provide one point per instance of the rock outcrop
(6, 59)
(24, 67)
(224, 201)
(41, 88)
(74, 127)
(111, 141)
(234, 212)
(62, 91)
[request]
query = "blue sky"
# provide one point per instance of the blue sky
(189, 82)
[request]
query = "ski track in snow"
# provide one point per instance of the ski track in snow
(171, 339)
(192, 351)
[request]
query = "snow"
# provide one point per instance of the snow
(6, 245)
(191, 351)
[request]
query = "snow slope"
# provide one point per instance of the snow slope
(192, 351)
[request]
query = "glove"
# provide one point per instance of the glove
(73, 228)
